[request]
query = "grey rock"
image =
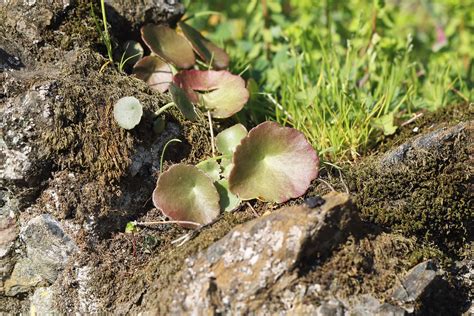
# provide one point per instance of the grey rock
(390, 310)
(42, 302)
(422, 144)
(8, 229)
(260, 255)
(9, 62)
(127, 15)
(8, 234)
(331, 308)
(48, 249)
(23, 116)
(416, 282)
(23, 278)
(369, 305)
(31, 18)
(146, 161)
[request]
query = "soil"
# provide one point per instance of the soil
(85, 169)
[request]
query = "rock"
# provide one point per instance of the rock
(417, 186)
(126, 16)
(48, 249)
(42, 302)
(31, 18)
(9, 62)
(23, 118)
(144, 161)
(331, 308)
(390, 310)
(8, 234)
(369, 305)
(23, 278)
(8, 230)
(416, 283)
(236, 274)
(429, 142)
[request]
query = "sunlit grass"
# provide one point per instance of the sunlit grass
(347, 73)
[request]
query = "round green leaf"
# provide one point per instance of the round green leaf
(221, 92)
(229, 139)
(228, 201)
(185, 193)
(211, 168)
(181, 100)
(273, 163)
(169, 45)
(205, 48)
(155, 72)
(128, 112)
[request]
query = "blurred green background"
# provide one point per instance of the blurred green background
(344, 72)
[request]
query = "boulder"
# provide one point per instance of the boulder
(48, 249)
(238, 272)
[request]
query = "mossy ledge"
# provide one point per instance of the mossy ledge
(427, 193)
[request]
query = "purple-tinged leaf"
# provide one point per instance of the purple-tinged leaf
(221, 92)
(273, 163)
(155, 72)
(209, 52)
(185, 193)
(169, 45)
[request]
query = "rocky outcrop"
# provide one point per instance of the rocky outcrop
(239, 272)
(47, 250)
(132, 15)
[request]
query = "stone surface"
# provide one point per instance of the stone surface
(23, 116)
(424, 143)
(416, 283)
(23, 278)
(30, 18)
(9, 62)
(8, 234)
(48, 249)
(42, 302)
(369, 305)
(261, 256)
(126, 15)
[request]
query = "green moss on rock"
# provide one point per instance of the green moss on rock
(423, 188)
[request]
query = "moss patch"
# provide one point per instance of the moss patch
(427, 195)
(365, 266)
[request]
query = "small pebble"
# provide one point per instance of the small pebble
(314, 201)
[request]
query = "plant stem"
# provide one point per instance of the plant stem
(106, 31)
(164, 108)
(212, 134)
(166, 222)
(163, 152)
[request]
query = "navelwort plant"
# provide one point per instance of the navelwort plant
(270, 163)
